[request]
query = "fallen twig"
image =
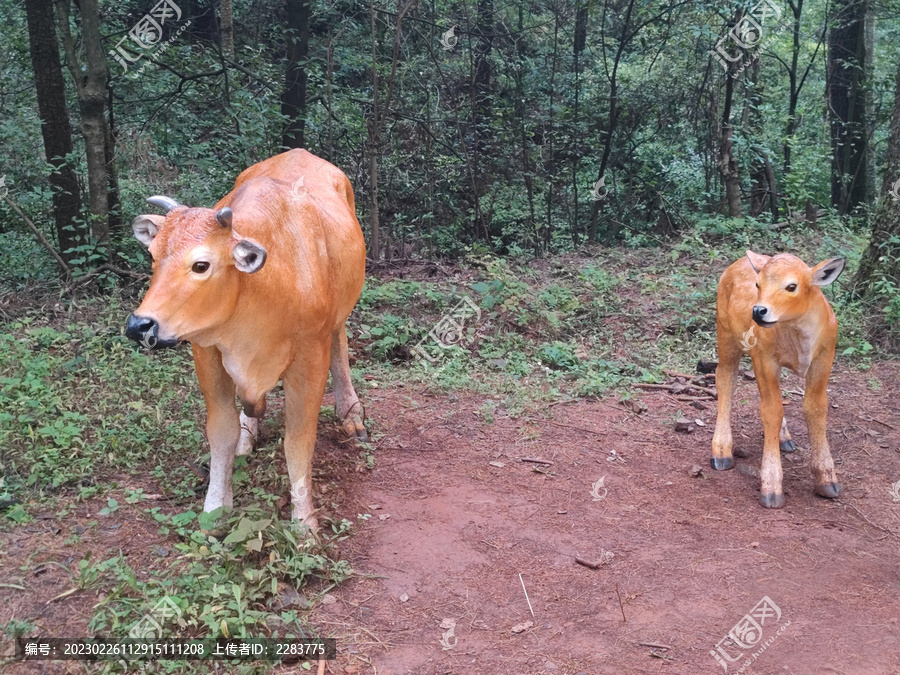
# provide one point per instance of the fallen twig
(535, 461)
(655, 645)
(621, 606)
(526, 594)
(46, 244)
(587, 563)
(62, 595)
(878, 527)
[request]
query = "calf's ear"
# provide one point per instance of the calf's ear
(249, 256)
(146, 227)
(827, 271)
(757, 261)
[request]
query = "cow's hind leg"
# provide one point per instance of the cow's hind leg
(346, 403)
(785, 442)
(729, 359)
(249, 431)
(304, 386)
(222, 424)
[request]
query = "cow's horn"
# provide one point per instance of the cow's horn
(165, 203)
(224, 217)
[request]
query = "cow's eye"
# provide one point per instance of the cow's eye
(790, 288)
(200, 267)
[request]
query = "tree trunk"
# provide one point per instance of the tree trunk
(226, 17)
(848, 71)
(293, 100)
(580, 38)
(882, 256)
(55, 126)
(725, 161)
(90, 81)
(372, 127)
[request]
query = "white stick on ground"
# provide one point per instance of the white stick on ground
(526, 593)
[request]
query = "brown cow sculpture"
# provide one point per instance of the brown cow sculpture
(261, 286)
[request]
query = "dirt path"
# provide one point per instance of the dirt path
(461, 518)
(684, 558)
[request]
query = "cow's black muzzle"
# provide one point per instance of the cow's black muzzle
(145, 331)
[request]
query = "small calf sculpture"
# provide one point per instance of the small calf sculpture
(773, 308)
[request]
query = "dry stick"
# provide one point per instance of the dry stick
(620, 604)
(569, 426)
(654, 645)
(536, 461)
(587, 563)
(863, 516)
(526, 593)
(59, 261)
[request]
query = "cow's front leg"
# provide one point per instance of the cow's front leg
(768, 378)
(304, 386)
(222, 425)
(815, 409)
(346, 403)
(249, 432)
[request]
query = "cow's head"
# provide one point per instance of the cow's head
(787, 285)
(198, 260)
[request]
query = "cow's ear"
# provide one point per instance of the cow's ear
(145, 227)
(827, 271)
(757, 261)
(249, 256)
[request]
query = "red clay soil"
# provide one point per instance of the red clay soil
(681, 559)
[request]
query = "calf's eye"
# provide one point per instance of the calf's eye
(791, 288)
(200, 267)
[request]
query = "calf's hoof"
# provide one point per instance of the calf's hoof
(721, 463)
(787, 446)
(772, 500)
(828, 490)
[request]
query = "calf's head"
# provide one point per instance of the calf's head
(787, 285)
(198, 260)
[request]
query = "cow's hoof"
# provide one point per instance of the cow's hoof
(828, 490)
(772, 501)
(355, 428)
(787, 446)
(721, 463)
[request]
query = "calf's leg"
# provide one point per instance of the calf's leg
(729, 358)
(785, 442)
(815, 409)
(768, 378)
(222, 424)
